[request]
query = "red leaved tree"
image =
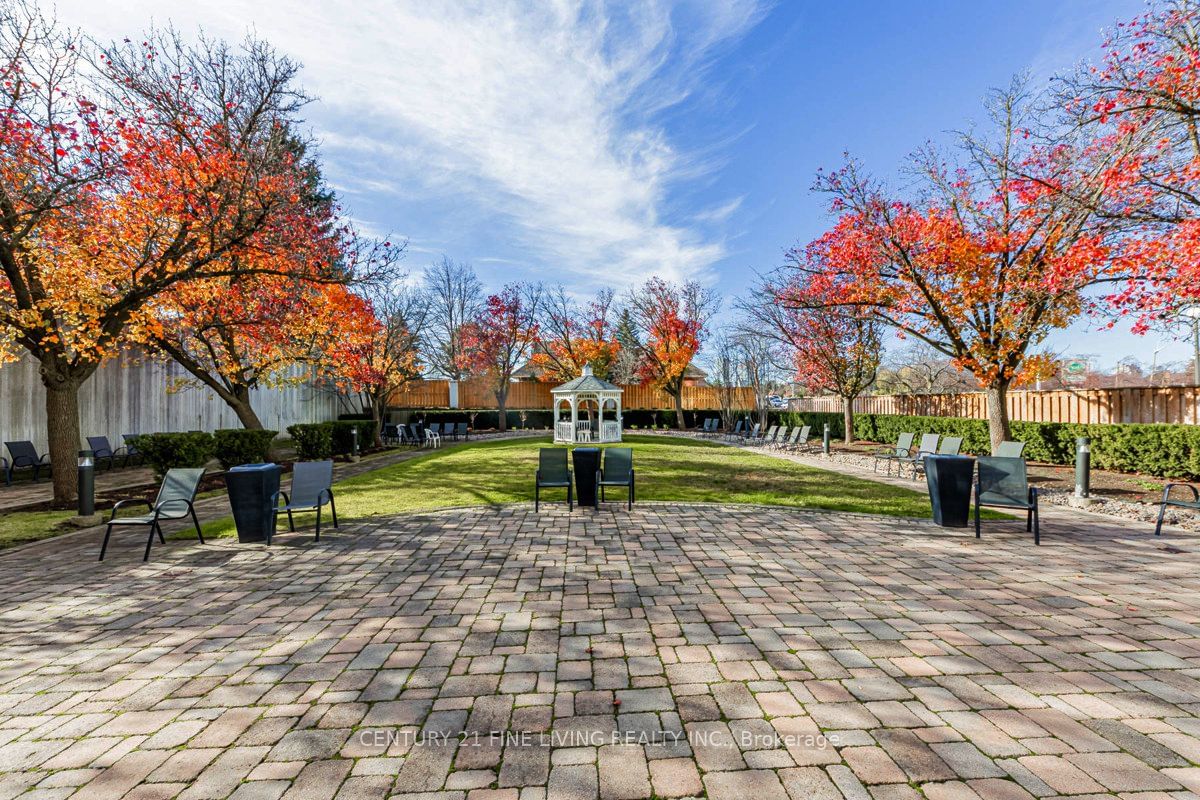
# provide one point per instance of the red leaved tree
(995, 254)
(671, 325)
(499, 339)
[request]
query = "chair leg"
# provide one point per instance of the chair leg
(160, 536)
(1162, 511)
(318, 523)
(1037, 533)
(291, 522)
(150, 541)
(196, 522)
(333, 510)
(537, 492)
(976, 516)
(104, 547)
(570, 499)
(1028, 519)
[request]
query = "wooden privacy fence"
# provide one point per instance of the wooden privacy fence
(1172, 404)
(534, 394)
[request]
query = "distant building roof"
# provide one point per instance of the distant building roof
(587, 382)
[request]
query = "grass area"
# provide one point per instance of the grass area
(20, 527)
(671, 469)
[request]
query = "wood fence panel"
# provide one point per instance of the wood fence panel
(1169, 404)
(535, 394)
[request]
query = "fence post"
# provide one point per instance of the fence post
(454, 394)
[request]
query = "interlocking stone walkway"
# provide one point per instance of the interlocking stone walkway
(673, 651)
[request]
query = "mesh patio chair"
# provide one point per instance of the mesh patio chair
(1167, 500)
(757, 436)
(1010, 450)
(616, 469)
(461, 429)
(390, 433)
(23, 455)
(1003, 483)
(780, 437)
(131, 451)
(312, 488)
(175, 500)
(102, 451)
(903, 445)
(928, 446)
(799, 438)
(552, 473)
(737, 430)
(950, 446)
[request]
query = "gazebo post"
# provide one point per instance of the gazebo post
(574, 419)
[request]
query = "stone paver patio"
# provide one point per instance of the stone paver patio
(672, 651)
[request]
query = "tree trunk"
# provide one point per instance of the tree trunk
(848, 419)
(680, 422)
(239, 401)
(62, 427)
(501, 406)
(997, 402)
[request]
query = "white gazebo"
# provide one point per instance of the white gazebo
(587, 409)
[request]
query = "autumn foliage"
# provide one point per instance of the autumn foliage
(500, 338)
(572, 337)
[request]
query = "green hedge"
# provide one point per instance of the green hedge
(1166, 451)
(237, 446)
(164, 451)
(320, 440)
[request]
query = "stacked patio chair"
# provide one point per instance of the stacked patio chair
(950, 446)
(616, 469)
(1168, 500)
(552, 473)
(1002, 482)
(175, 500)
(889, 456)
(103, 452)
(432, 437)
(23, 455)
(928, 446)
(312, 488)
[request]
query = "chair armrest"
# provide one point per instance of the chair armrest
(324, 493)
(278, 494)
(138, 500)
(1166, 498)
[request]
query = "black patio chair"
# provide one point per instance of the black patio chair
(903, 445)
(390, 433)
(553, 473)
(616, 469)
(1003, 483)
(1167, 500)
(1010, 450)
(950, 446)
(23, 455)
(175, 500)
(103, 452)
(461, 429)
(312, 488)
(131, 451)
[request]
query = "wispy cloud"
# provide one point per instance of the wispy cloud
(544, 115)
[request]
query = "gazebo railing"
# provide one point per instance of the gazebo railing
(564, 432)
(610, 431)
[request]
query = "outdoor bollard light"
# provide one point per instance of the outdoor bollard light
(825, 441)
(1083, 466)
(354, 441)
(87, 483)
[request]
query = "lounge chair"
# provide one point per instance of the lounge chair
(102, 451)
(1167, 500)
(737, 430)
(1003, 483)
(175, 500)
(780, 436)
(131, 451)
(757, 437)
(312, 488)
(949, 447)
(798, 439)
(902, 448)
(553, 473)
(1010, 450)
(616, 469)
(23, 455)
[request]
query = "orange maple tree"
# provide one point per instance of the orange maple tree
(116, 183)
(572, 337)
(671, 320)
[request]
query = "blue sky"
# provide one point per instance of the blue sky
(596, 145)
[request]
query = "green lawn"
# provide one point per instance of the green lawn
(672, 469)
(30, 526)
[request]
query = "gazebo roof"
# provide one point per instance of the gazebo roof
(587, 382)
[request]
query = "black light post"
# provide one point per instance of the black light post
(354, 441)
(87, 483)
(825, 440)
(1083, 466)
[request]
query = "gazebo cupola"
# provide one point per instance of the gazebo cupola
(587, 409)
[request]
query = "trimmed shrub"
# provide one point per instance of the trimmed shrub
(313, 440)
(237, 446)
(342, 438)
(164, 451)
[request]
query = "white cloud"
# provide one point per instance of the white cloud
(542, 114)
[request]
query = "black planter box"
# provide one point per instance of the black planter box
(251, 487)
(949, 479)
(586, 461)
